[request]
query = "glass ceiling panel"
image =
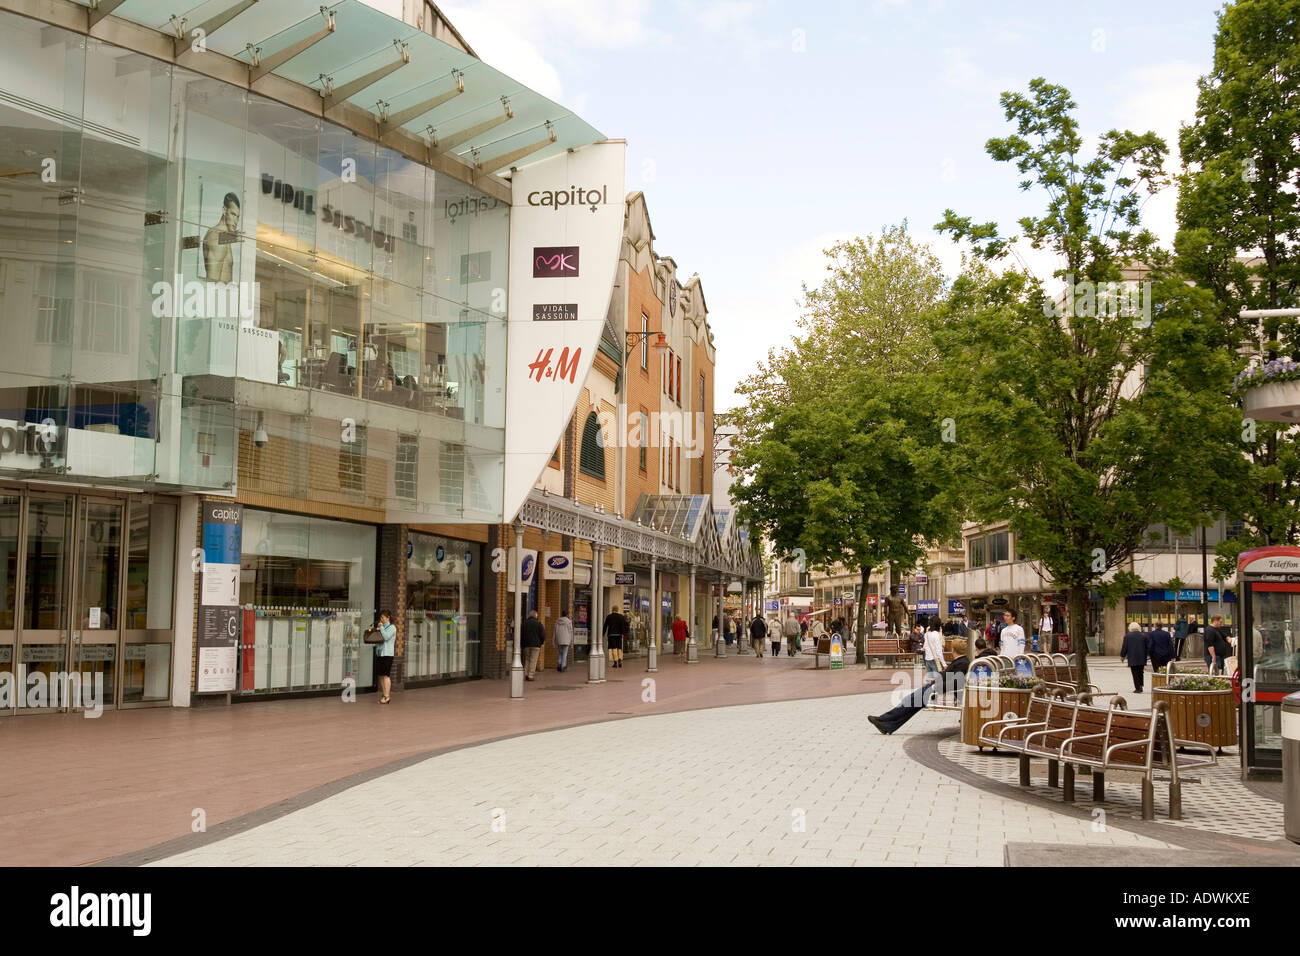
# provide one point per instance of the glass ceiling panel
(363, 41)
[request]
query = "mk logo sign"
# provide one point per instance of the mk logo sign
(551, 262)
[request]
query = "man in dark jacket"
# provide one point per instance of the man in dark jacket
(982, 649)
(757, 633)
(1134, 651)
(534, 638)
(1162, 647)
(1180, 636)
(1216, 644)
(951, 680)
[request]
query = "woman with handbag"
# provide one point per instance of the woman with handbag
(383, 635)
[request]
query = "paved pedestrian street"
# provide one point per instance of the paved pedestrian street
(796, 782)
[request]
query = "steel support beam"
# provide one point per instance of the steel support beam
(100, 9)
(512, 157)
(260, 65)
(388, 120)
(333, 96)
(441, 144)
(209, 26)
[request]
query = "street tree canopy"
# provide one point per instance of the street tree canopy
(1084, 420)
(839, 456)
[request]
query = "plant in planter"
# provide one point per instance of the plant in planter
(1201, 708)
(994, 697)
(1198, 682)
(1019, 681)
(1277, 370)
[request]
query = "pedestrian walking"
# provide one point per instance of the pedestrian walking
(1162, 647)
(1134, 651)
(534, 638)
(932, 644)
(614, 630)
(562, 634)
(680, 634)
(1216, 644)
(1012, 638)
(384, 652)
(1045, 627)
(951, 680)
(757, 633)
(790, 629)
(1180, 636)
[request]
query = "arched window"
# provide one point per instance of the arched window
(591, 458)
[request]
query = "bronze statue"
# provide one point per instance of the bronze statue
(896, 615)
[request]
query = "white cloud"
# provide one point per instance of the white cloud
(960, 71)
(525, 40)
(1160, 98)
(723, 15)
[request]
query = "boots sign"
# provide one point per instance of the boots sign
(566, 224)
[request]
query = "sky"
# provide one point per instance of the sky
(763, 132)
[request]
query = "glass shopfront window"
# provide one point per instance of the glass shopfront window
(443, 617)
(307, 586)
(186, 267)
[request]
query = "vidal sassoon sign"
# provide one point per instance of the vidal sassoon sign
(566, 224)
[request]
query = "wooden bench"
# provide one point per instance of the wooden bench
(892, 651)
(1074, 734)
(1140, 741)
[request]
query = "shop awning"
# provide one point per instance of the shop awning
(352, 53)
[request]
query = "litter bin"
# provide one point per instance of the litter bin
(1291, 764)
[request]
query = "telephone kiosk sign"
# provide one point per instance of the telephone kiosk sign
(1268, 652)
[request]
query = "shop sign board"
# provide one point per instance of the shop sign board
(566, 228)
(956, 608)
(558, 566)
(928, 607)
(220, 618)
(624, 579)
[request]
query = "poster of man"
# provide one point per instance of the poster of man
(218, 257)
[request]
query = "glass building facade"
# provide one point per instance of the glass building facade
(205, 292)
(203, 289)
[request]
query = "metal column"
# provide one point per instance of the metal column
(596, 653)
(692, 648)
(652, 643)
(517, 668)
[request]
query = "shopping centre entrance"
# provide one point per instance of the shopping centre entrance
(86, 619)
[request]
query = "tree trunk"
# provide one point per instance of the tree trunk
(1078, 637)
(864, 629)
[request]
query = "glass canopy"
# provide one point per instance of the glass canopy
(493, 118)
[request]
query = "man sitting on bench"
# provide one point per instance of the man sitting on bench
(953, 677)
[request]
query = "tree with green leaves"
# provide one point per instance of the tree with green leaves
(1239, 231)
(1084, 419)
(838, 457)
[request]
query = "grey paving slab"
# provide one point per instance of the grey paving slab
(649, 790)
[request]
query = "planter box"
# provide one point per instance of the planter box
(1273, 402)
(984, 704)
(1160, 678)
(1206, 716)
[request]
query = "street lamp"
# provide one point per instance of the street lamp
(634, 339)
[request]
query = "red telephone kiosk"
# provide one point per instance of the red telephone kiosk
(1268, 652)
